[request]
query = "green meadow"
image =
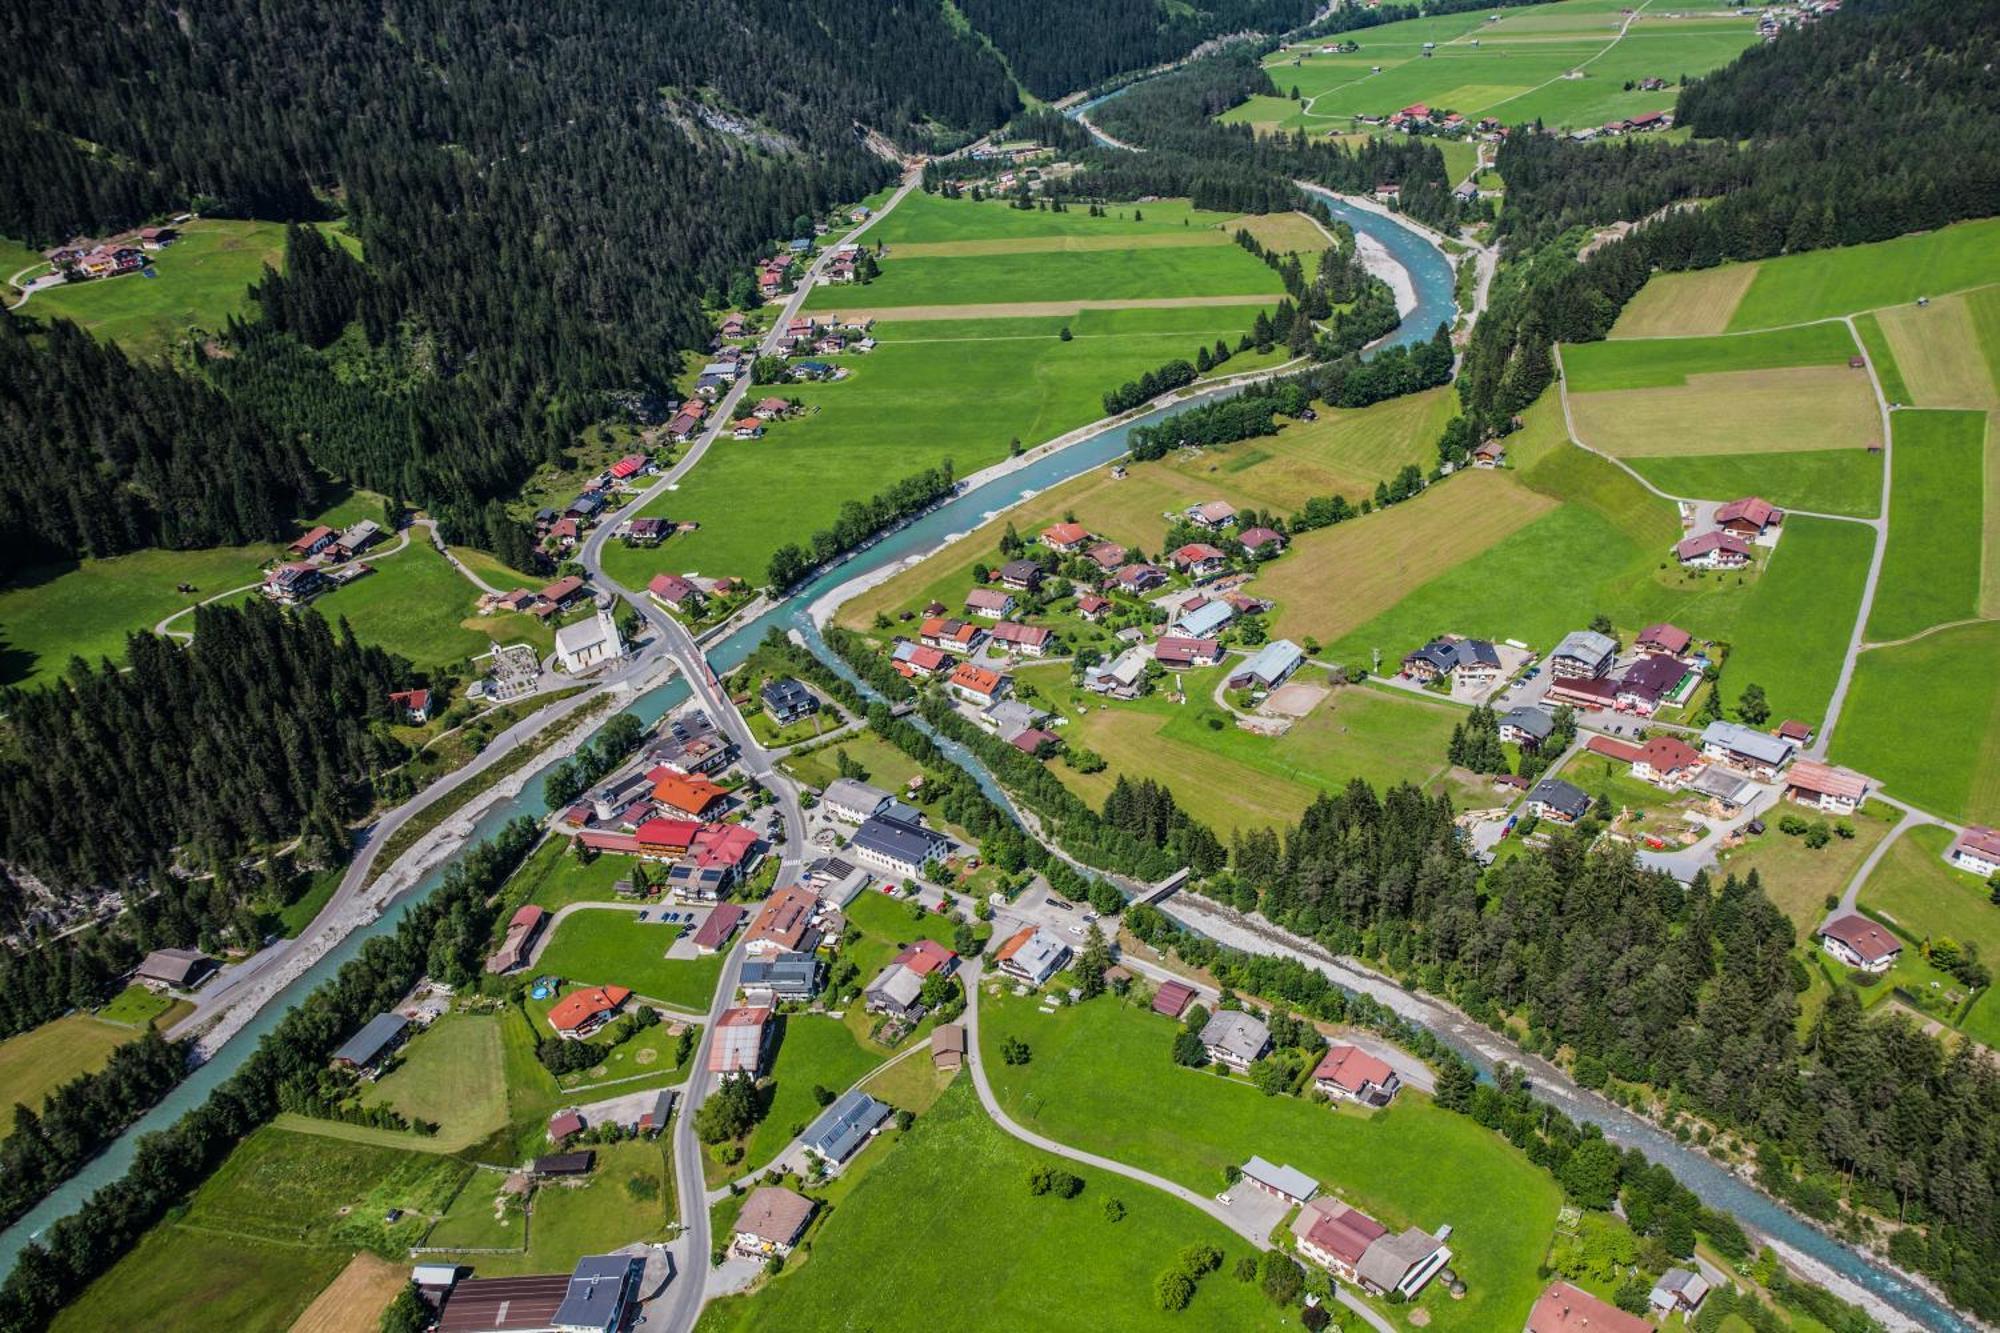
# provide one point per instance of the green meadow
(1926, 896)
(612, 947)
(1102, 1078)
(1924, 719)
(1931, 571)
(1882, 358)
(809, 1052)
(1648, 363)
(933, 390)
(1139, 273)
(1825, 481)
(992, 1256)
(1822, 283)
(932, 219)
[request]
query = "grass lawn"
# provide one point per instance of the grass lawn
(474, 1220)
(183, 1280)
(1683, 304)
(296, 915)
(933, 390)
(628, 1197)
(1731, 412)
(1924, 719)
(810, 1051)
(1344, 452)
(1798, 616)
(1665, 362)
(613, 947)
(203, 280)
(1850, 279)
(1931, 571)
(1930, 899)
(886, 766)
(1826, 481)
(1945, 360)
(414, 604)
(1247, 780)
(1798, 878)
(960, 1185)
(1101, 1078)
(552, 878)
(36, 1062)
(451, 1075)
(136, 1006)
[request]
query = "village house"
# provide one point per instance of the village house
(1353, 1074)
(1713, 550)
(1748, 518)
(901, 846)
(772, 1220)
(784, 924)
(1199, 619)
(691, 744)
(742, 1035)
(1490, 453)
(1678, 1290)
(1214, 515)
(631, 465)
(897, 988)
(852, 800)
(950, 635)
(1402, 1262)
(690, 794)
(843, 1127)
(1269, 667)
(1120, 678)
(1830, 790)
(1472, 664)
(1746, 749)
(1526, 727)
(676, 593)
(646, 531)
(916, 661)
(1262, 543)
(1650, 681)
(788, 701)
(1140, 578)
(1065, 538)
(1860, 943)
(557, 596)
(1287, 1184)
(717, 859)
(977, 684)
(1977, 850)
(293, 584)
(1107, 556)
(785, 976)
(522, 928)
(582, 1012)
(1234, 1038)
(1797, 732)
(1663, 638)
(1668, 762)
(313, 542)
(1562, 1308)
(174, 969)
(1178, 652)
(1021, 575)
(989, 603)
(1584, 654)
(412, 706)
(716, 928)
(1335, 1235)
(1032, 954)
(1585, 692)
(1027, 640)
(1558, 802)
(1199, 561)
(948, 1046)
(1091, 607)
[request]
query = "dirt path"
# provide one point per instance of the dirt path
(1033, 309)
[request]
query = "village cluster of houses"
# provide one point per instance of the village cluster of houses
(1564, 1308)
(82, 260)
(1740, 525)
(321, 559)
(1350, 1244)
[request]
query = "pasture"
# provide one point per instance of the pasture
(1914, 886)
(1883, 360)
(1825, 481)
(1232, 779)
(1948, 349)
(35, 1063)
(203, 279)
(627, 1197)
(932, 391)
(180, 1279)
(1731, 412)
(1655, 363)
(1344, 452)
(1931, 571)
(960, 1183)
(1818, 284)
(1101, 1078)
(930, 219)
(415, 604)
(612, 947)
(450, 1075)
(1148, 272)
(1923, 718)
(1698, 301)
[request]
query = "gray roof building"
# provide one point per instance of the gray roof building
(185, 968)
(1289, 1181)
(787, 700)
(789, 976)
(1530, 722)
(896, 845)
(853, 800)
(1758, 746)
(1271, 665)
(844, 1126)
(1235, 1038)
(1402, 1261)
(895, 990)
(374, 1041)
(1586, 649)
(1563, 800)
(601, 1287)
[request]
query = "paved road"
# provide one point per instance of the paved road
(1226, 1216)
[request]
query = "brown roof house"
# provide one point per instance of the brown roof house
(771, 1222)
(1860, 943)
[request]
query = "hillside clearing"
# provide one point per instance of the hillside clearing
(1682, 304)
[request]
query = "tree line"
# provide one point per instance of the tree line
(858, 521)
(1056, 48)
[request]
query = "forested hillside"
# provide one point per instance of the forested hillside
(545, 193)
(1058, 47)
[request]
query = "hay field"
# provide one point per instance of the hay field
(355, 1301)
(1939, 350)
(1752, 411)
(1675, 304)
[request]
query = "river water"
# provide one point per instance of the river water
(1431, 276)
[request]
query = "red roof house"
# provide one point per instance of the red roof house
(1172, 998)
(1748, 517)
(690, 795)
(1861, 943)
(582, 1012)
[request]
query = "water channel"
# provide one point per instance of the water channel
(1432, 278)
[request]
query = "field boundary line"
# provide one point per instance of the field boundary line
(1926, 633)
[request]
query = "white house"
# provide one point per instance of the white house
(588, 644)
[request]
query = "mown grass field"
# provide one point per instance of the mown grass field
(611, 947)
(417, 605)
(86, 608)
(932, 219)
(1924, 719)
(934, 390)
(37, 1062)
(1733, 412)
(1798, 878)
(1510, 64)
(1915, 887)
(355, 1301)
(1931, 571)
(1821, 283)
(1685, 304)
(1344, 452)
(203, 279)
(1869, 329)
(961, 1185)
(450, 1075)
(1947, 349)
(1101, 1077)
(1825, 481)
(1665, 362)
(1143, 272)
(182, 1280)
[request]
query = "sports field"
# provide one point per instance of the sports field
(1924, 719)
(612, 947)
(933, 390)
(961, 1184)
(1806, 408)
(1344, 452)
(1565, 64)
(1232, 779)
(1914, 886)
(202, 280)
(1101, 1079)
(1931, 571)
